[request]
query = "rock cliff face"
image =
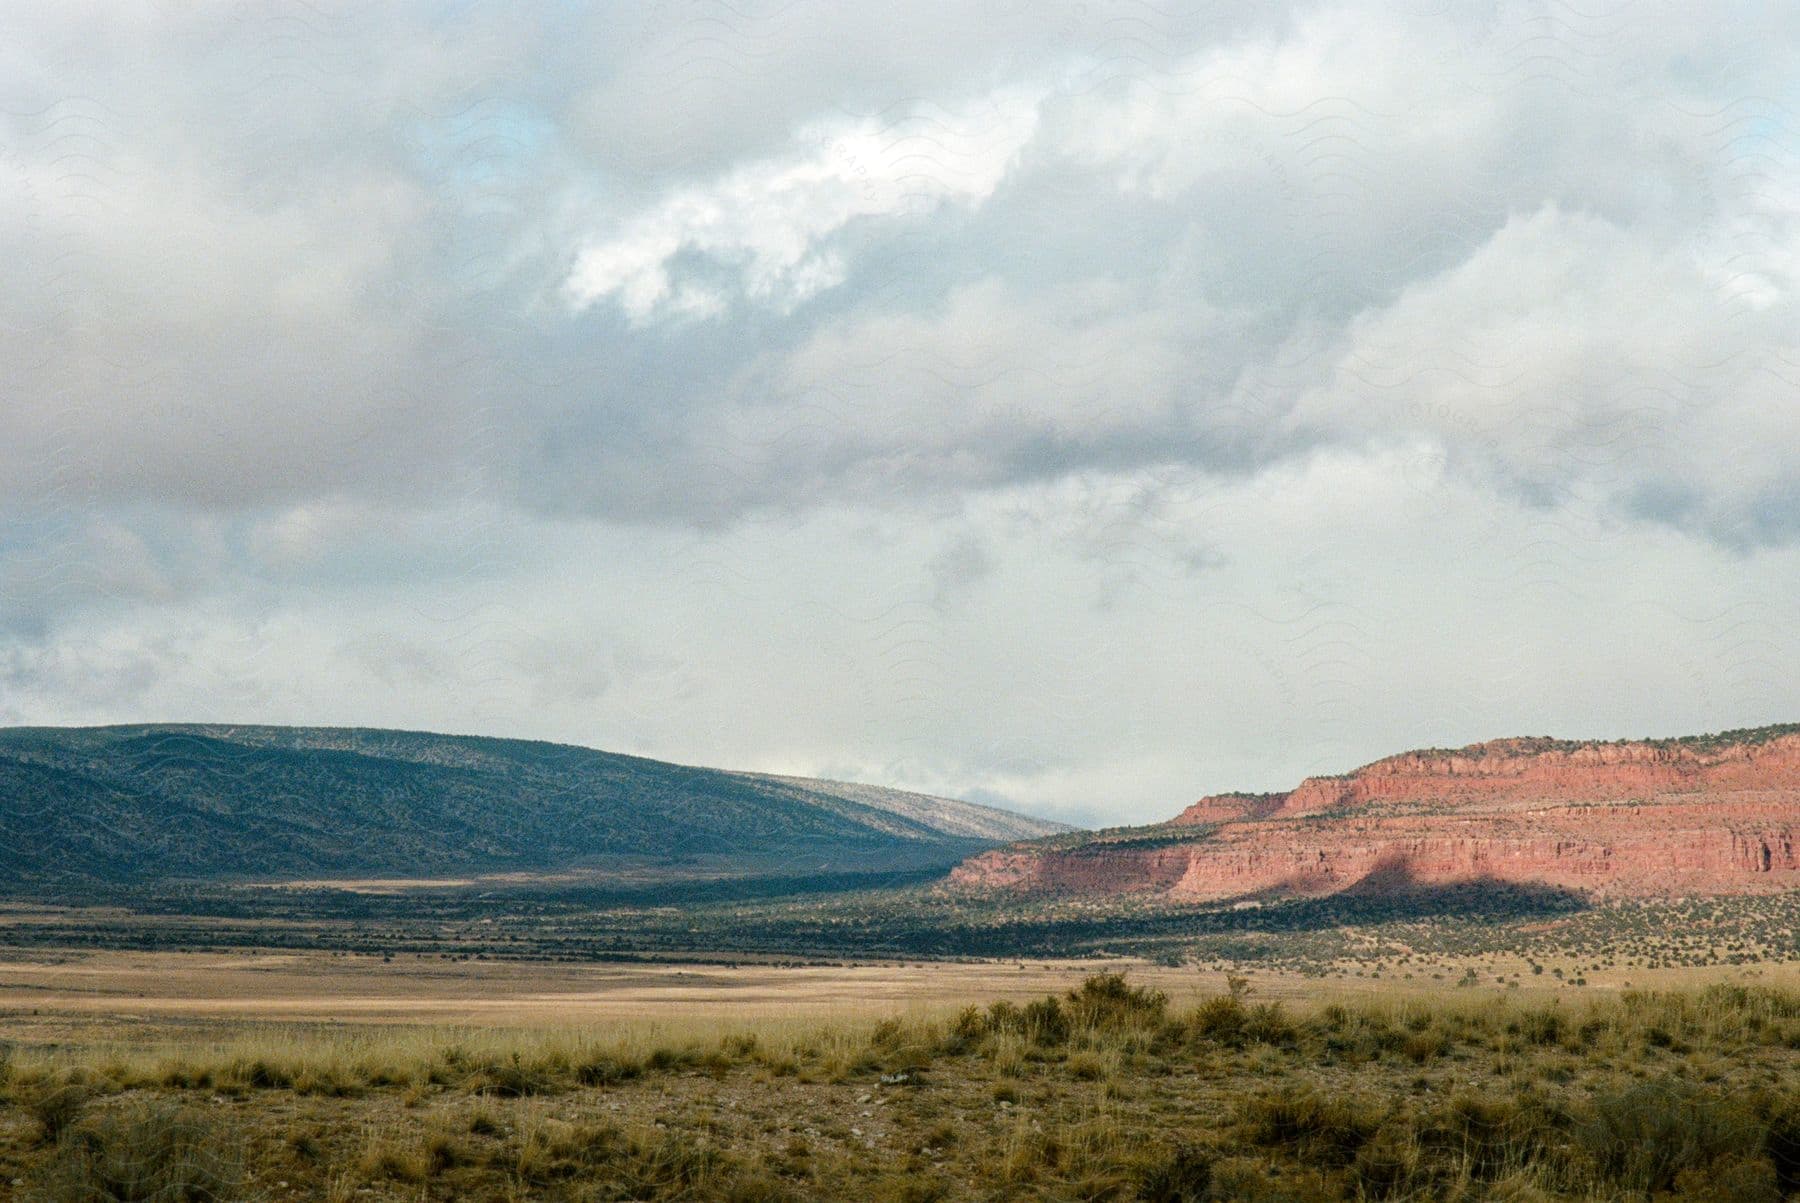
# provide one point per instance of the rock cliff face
(1708, 815)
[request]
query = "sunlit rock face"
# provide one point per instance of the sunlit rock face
(1710, 815)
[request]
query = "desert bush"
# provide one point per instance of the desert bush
(1487, 1138)
(1220, 1019)
(1519, 1114)
(1089, 1066)
(1045, 1022)
(151, 1151)
(1540, 1026)
(260, 1074)
(1391, 1164)
(669, 1163)
(1781, 1141)
(1268, 1023)
(549, 1151)
(965, 1031)
(1641, 1138)
(1182, 1174)
(1425, 1046)
(511, 1079)
(442, 1150)
(1107, 1000)
(383, 1158)
(605, 1069)
(56, 1107)
(1311, 1124)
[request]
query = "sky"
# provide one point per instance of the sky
(1076, 407)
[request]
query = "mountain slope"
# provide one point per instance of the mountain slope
(1714, 814)
(186, 801)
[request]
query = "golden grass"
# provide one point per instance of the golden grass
(1106, 1089)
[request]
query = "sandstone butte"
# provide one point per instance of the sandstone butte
(1713, 814)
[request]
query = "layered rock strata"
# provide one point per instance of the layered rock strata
(1710, 815)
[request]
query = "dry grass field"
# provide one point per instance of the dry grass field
(108, 999)
(276, 1076)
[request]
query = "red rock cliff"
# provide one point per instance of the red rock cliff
(1717, 814)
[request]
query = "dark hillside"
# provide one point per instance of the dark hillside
(158, 802)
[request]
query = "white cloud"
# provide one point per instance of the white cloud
(765, 230)
(1569, 353)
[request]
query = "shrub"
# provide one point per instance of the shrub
(442, 1152)
(385, 1160)
(56, 1108)
(1088, 1066)
(1489, 1136)
(1107, 1000)
(509, 1081)
(1315, 1126)
(967, 1030)
(1045, 1022)
(1641, 1138)
(148, 1152)
(1268, 1023)
(1182, 1174)
(605, 1069)
(261, 1075)
(1220, 1019)
(1542, 1026)
(1782, 1143)
(1391, 1164)
(1004, 1016)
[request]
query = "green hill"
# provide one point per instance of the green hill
(182, 802)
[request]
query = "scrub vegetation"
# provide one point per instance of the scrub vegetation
(1103, 1091)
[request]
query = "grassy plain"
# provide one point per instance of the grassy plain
(311, 1075)
(744, 1041)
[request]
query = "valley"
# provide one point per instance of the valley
(1471, 974)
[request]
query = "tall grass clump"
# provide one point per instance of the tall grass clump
(1655, 1136)
(148, 1151)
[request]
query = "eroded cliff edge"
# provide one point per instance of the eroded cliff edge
(1716, 814)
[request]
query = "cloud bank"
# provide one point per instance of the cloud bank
(1076, 406)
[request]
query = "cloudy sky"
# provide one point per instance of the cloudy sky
(1080, 407)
